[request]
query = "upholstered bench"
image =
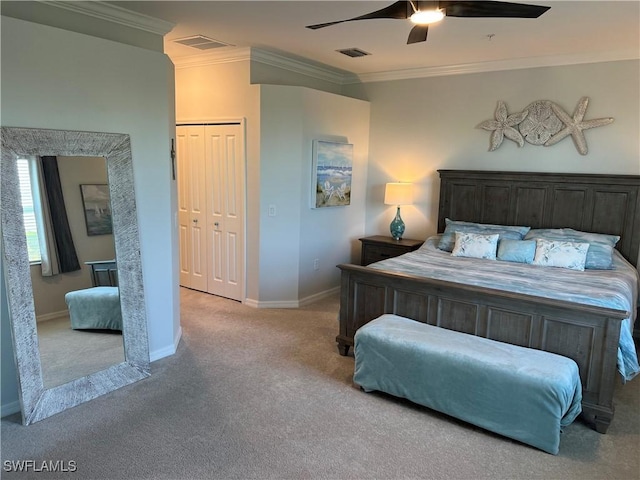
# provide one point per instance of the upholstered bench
(96, 308)
(521, 393)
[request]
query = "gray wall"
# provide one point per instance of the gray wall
(291, 118)
(421, 125)
(9, 389)
(52, 78)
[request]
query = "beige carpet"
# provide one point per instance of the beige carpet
(263, 394)
(67, 354)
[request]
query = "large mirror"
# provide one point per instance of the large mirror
(78, 315)
(42, 395)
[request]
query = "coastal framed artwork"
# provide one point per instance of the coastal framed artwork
(97, 208)
(332, 173)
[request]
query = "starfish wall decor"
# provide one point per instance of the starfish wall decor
(542, 123)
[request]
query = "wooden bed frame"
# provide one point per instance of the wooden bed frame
(587, 334)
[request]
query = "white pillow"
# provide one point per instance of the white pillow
(475, 245)
(556, 253)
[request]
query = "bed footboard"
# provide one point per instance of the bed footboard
(589, 335)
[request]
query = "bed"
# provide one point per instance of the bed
(592, 329)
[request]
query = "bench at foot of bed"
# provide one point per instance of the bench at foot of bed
(521, 393)
(95, 308)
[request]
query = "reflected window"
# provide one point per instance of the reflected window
(27, 186)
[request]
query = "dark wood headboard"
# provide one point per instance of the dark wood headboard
(586, 202)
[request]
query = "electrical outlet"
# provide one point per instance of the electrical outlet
(272, 210)
(316, 264)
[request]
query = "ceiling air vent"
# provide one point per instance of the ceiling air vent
(201, 42)
(353, 52)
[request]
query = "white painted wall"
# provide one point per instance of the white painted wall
(292, 117)
(421, 125)
(52, 78)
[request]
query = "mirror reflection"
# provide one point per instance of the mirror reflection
(72, 265)
(36, 401)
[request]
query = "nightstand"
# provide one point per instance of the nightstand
(104, 273)
(379, 247)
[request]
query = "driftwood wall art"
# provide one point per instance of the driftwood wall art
(541, 123)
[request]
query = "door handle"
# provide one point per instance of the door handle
(195, 220)
(216, 224)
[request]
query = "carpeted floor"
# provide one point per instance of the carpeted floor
(67, 354)
(263, 394)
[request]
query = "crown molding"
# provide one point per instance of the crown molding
(239, 54)
(213, 57)
(114, 14)
(499, 65)
(341, 77)
(299, 66)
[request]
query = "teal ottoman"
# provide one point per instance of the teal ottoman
(95, 308)
(521, 393)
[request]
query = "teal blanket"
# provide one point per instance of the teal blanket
(518, 392)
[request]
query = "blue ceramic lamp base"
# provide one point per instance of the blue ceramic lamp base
(397, 226)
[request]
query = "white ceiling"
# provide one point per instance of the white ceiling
(571, 30)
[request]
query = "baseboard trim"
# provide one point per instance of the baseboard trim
(10, 408)
(52, 316)
(166, 351)
(291, 303)
(318, 296)
(250, 302)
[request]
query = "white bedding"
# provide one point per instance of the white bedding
(616, 288)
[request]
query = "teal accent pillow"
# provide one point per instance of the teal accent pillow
(520, 251)
(448, 239)
(601, 245)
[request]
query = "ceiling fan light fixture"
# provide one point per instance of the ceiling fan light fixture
(425, 17)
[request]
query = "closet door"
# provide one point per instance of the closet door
(192, 207)
(224, 151)
(211, 193)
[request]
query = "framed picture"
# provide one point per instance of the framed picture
(332, 171)
(97, 209)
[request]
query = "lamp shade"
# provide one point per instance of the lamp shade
(398, 194)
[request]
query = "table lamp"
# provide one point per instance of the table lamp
(397, 194)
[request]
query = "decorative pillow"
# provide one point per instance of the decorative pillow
(521, 251)
(505, 231)
(600, 253)
(556, 253)
(475, 245)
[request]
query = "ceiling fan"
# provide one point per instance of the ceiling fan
(423, 13)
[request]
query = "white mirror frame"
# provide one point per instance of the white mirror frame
(38, 402)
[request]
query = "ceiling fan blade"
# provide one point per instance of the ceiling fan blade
(322, 25)
(418, 34)
(492, 9)
(400, 10)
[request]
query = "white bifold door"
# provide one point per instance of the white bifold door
(211, 209)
